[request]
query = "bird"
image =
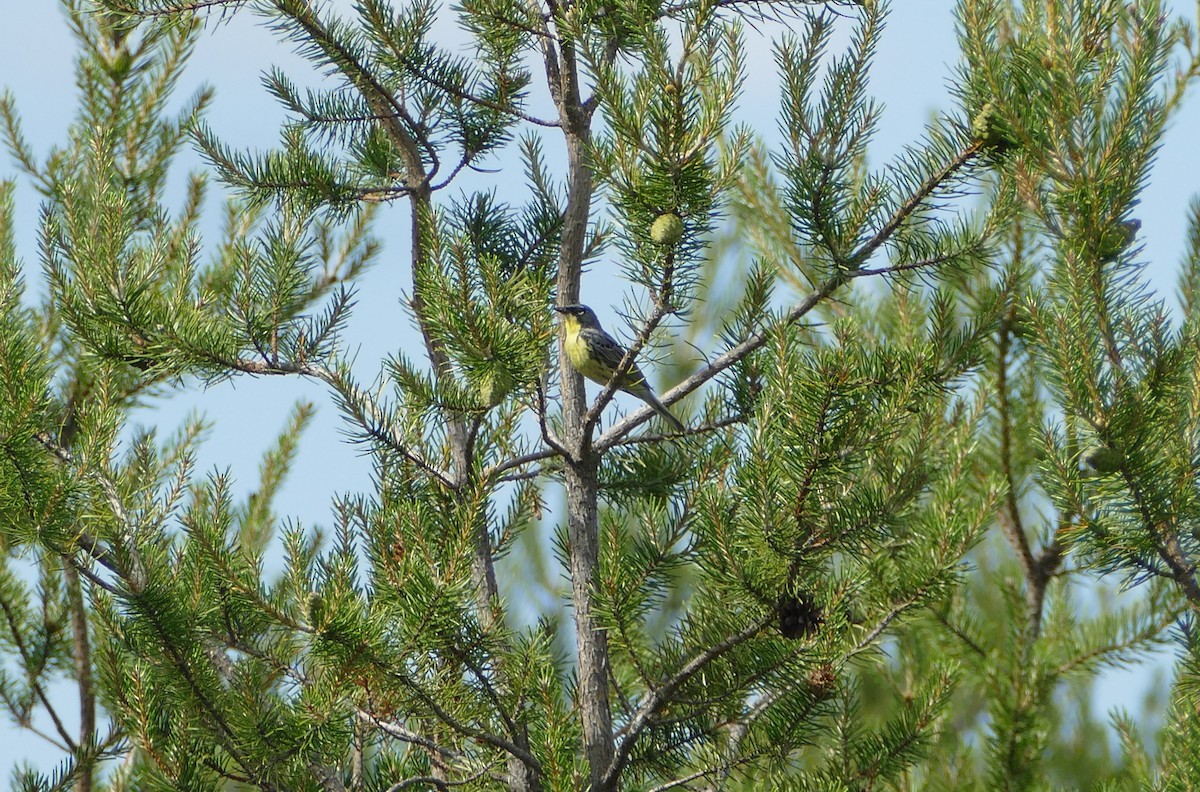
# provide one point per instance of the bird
(596, 355)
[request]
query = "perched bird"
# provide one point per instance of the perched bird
(596, 355)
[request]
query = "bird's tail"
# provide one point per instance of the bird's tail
(648, 397)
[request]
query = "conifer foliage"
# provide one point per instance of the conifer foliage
(934, 410)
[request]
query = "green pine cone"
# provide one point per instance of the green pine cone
(667, 229)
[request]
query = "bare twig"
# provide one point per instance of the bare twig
(82, 655)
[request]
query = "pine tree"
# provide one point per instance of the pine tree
(935, 414)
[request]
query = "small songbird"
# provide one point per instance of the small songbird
(596, 355)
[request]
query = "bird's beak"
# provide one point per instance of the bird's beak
(561, 310)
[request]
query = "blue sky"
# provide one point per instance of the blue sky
(914, 64)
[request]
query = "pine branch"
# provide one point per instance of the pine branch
(17, 634)
(385, 105)
(722, 769)
(831, 284)
(135, 575)
(497, 472)
(907, 267)
(467, 96)
(162, 9)
(1147, 635)
(363, 409)
(494, 740)
(661, 695)
(1010, 520)
(446, 785)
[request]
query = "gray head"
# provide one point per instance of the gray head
(579, 314)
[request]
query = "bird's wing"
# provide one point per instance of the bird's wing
(610, 353)
(602, 346)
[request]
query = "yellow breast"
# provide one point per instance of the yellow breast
(577, 351)
(580, 357)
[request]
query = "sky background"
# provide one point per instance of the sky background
(915, 61)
